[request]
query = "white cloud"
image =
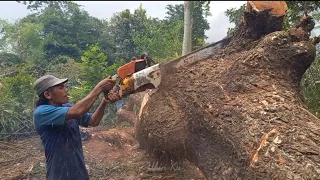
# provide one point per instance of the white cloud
(219, 22)
(218, 7)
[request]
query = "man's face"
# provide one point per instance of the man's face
(58, 94)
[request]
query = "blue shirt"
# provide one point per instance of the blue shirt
(119, 104)
(62, 142)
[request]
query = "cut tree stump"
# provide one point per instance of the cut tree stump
(260, 18)
(238, 115)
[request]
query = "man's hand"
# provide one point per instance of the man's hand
(111, 97)
(106, 84)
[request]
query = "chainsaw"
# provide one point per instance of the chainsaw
(136, 76)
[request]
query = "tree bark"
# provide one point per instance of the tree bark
(187, 33)
(238, 115)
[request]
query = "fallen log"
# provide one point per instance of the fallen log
(238, 115)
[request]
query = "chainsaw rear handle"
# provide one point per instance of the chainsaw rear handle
(147, 58)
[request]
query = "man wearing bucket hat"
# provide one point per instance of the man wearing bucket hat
(57, 122)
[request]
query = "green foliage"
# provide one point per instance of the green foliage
(70, 69)
(234, 17)
(296, 10)
(294, 13)
(18, 88)
(200, 11)
(122, 28)
(23, 39)
(310, 87)
(16, 103)
(41, 5)
(94, 69)
(93, 65)
(9, 59)
(61, 39)
(161, 46)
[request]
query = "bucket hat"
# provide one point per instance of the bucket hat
(47, 81)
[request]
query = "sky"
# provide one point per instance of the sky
(219, 23)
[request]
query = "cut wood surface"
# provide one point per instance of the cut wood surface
(277, 8)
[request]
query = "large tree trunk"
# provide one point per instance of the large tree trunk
(238, 114)
(187, 33)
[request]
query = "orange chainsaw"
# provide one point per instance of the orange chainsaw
(137, 75)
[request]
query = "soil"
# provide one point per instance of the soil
(109, 154)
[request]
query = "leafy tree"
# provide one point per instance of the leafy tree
(58, 35)
(16, 103)
(162, 46)
(41, 5)
(107, 41)
(85, 29)
(67, 30)
(121, 28)
(94, 68)
(234, 17)
(153, 35)
(150, 35)
(93, 65)
(9, 59)
(23, 39)
(200, 11)
(61, 39)
(68, 69)
(297, 8)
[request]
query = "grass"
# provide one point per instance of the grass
(125, 124)
(39, 170)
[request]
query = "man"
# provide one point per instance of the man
(57, 122)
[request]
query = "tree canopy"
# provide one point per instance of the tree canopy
(61, 38)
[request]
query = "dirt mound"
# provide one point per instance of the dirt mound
(238, 114)
(19, 160)
(114, 154)
(109, 154)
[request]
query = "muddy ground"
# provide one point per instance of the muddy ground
(111, 154)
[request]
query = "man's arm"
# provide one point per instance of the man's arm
(84, 105)
(99, 112)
